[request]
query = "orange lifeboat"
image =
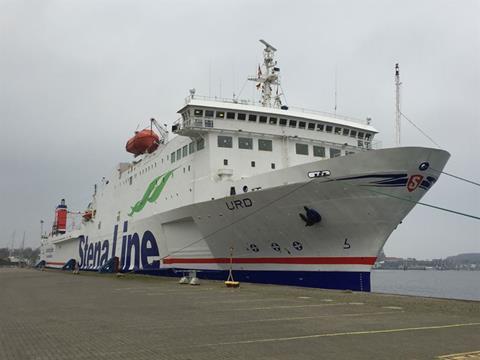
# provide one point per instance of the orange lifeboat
(145, 141)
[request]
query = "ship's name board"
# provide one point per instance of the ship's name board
(239, 204)
(318, 173)
(137, 252)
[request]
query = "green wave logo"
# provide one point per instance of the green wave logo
(152, 193)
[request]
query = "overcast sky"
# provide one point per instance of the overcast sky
(77, 77)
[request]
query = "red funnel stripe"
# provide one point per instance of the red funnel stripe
(277, 260)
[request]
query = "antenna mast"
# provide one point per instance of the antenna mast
(268, 78)
(23, 245)
(335, 107)
(13, 243)
(397, 104)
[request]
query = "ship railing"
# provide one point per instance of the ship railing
(188, 99)
(196, 123)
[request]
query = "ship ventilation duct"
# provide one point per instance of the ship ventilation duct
(41, 264)
(111, 266)
(69, 265)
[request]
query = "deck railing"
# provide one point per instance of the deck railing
(188, 99)
(197, 123)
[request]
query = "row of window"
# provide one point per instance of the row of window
(267, 145)
(244, 143)
(187, 150)
(319, 151)
(273, 120)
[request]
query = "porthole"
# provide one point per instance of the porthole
(297, 245)
(254, 248)
(275, 246)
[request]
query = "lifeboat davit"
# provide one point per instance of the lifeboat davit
(145, 141)
(87, 215)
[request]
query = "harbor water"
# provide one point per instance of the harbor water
(463, 285)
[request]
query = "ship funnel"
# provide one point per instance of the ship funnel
(60, 223)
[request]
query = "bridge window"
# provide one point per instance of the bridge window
(245, 143)
(346, 131)
(224, 141)
(353, 133)
(292, 123)
(179, 154)
(302, 124)
(252, 117)
(311, 126)
(191, 148)
(338, 130)
(318, 151)
(209, 113)
(220, 114)
(230, 115)
(335, 153)
(320, 127)
(367, 136)
(329, 128)
(172, 157)
(200, 144)
(273, 121)
(241, 116)
(198, 112)
(185, 151)
(264, 145)
(360, 135)
(283, 122)
(301, 149)
(262, 119)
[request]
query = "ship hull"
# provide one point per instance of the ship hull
(262, 235)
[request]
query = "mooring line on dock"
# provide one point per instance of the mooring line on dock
(288, 306)
(463, 355)
(350, 333)
(293, 318)
(425, 204)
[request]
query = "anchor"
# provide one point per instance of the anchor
(311, 216)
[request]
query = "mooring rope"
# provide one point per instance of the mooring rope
(425, 204)
(457, 177)
(303, 185)
(238, 220)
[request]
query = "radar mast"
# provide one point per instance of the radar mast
(267, 78)
(398, 112)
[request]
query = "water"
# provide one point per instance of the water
(442, 284)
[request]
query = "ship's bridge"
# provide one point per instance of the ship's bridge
(201, 114)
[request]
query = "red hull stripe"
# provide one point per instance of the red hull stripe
(277, 260)
(55, 263)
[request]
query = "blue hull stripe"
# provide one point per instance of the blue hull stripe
(340, 280)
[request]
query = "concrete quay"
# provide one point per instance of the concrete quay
(49, 315)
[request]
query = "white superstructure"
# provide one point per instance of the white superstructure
(301, 197)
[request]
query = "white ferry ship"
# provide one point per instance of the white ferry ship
(277, 194)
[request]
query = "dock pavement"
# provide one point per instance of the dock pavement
(50, 315)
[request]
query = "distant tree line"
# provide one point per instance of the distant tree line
(469, 261)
